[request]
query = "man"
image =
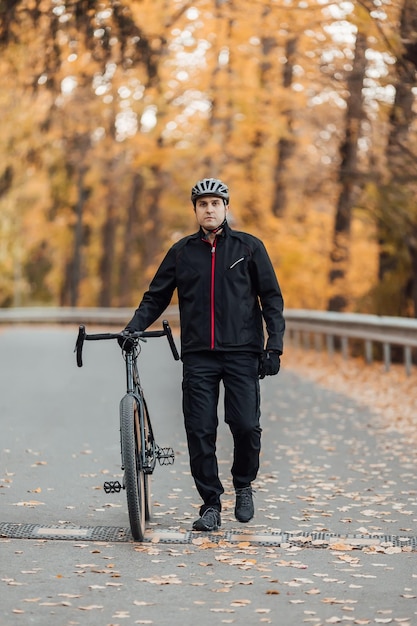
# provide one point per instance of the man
(226, 288)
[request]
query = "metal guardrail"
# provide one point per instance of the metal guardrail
(387, 331)
(302, 326)
(66, 315)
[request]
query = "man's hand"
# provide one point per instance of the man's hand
(126, 343)
(269, 363)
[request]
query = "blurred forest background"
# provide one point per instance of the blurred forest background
(112, 109)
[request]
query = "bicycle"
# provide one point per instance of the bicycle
(139, 451)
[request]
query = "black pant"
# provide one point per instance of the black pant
(202, 373)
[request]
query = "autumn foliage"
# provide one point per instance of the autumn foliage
(111, 110)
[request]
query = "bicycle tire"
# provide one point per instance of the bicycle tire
(133, 474)
(147, 477)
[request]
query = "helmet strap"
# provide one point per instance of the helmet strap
(213, 231)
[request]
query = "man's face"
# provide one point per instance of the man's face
(210, 212)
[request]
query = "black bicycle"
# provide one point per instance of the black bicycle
(139, 451)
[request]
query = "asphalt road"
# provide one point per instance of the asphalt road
(333, 539)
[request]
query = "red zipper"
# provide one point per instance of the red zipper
(213, 266)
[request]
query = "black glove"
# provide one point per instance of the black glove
(126, 343)
(269, 363)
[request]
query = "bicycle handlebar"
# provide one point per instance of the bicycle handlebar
(140, 334)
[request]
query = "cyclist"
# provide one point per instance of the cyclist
(226, 288)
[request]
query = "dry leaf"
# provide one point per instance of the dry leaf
(240, 603)
(167, 579)
(341, 546)
(143, 603)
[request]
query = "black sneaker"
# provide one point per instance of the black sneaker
(244, 510)
(210, 520)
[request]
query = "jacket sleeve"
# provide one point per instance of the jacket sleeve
(270, 297)
(158, 296)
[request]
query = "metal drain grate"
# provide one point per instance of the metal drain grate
(67, 532)
(274, 538)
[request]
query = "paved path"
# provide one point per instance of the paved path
(333, 540)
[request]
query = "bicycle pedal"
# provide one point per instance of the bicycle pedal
(112, 486)
(165, 456)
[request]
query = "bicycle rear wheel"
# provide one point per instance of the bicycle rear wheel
(133, 474)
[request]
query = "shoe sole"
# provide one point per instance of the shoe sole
(206, 529)
(244, 521)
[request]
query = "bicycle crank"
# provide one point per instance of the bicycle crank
(165, 456)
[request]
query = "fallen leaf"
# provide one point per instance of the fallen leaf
(240, 603)
(341, 546)
(167, 579)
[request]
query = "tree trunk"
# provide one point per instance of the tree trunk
(348, 178)
(76, 263)
(151, 236)
(401, 165)
(126, 283)
(286, 144)
(108, 252)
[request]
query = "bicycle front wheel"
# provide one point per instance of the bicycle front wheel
(149, 443)
(131, 457)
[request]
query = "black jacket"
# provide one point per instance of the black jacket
(223, 292)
